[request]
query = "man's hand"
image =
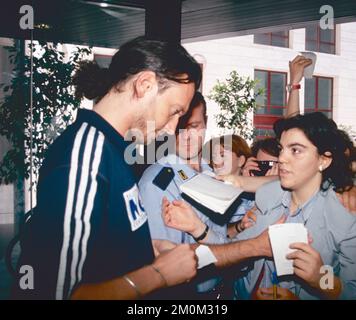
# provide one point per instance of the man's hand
(296, 68)
(181, 216)
(348, 199)
(307, 263)
(178, 265)
(282, 294)
(160, 246)
(274, 171)
(250, 164)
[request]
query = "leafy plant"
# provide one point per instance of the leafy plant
(53, 106)
(236, 97)
(349, 130)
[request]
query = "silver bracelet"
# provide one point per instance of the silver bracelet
(133, 285)
(161, 275)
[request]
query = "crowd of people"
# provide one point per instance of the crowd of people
(98, 232)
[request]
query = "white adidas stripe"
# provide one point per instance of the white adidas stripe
(68, 211)
(90, 202)
(80, 204)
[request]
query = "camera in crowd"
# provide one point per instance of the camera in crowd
(264, 167)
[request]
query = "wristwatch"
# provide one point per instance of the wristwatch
(291, 87)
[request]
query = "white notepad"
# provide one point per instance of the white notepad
(281, 236)
(213, 194)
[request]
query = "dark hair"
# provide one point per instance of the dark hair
(352, 153)
(170, 61)
(198, 99)
(268, 145)
(326, 137)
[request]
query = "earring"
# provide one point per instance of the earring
(321, 168)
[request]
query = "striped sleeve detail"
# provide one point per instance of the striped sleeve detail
(82, 186)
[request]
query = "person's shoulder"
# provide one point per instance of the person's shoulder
(60, 152)
(337, 215)
(269, 195)
(80, 138)
(146, 181)
(150, 173)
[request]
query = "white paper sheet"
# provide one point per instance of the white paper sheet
(281, 236)
(205, 256)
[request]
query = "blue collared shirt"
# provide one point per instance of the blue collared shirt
(331, 226)
(301, 215)
(152, 200)
(242, 209)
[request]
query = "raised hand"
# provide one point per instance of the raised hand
(181, 216)
(250, 164)
(273, 171)
(296, 68)
(307, 263)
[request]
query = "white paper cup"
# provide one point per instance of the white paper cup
(308, 71)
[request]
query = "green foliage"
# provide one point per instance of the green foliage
(236, 97)
(349, 130)
(53, 106)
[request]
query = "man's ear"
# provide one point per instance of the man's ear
(145, 82)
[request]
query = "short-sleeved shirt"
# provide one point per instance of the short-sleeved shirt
(301, 215)
(242, 209)
(89, 224)
(152, 197)
(331, 226)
